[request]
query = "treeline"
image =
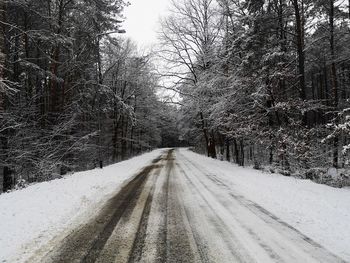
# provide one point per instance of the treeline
(263, 82)
(73, 94)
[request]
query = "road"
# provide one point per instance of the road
(176, 211)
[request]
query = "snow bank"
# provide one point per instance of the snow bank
(319, 211)
(32, 216)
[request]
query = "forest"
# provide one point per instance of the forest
(74, 94)
(264, 83)
(256, 82)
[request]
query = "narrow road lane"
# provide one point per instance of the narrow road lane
(176, 211)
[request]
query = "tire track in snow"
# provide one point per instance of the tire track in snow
(272, 254)
(181, 247)
(86, 243)
(293, 239)
(121, 233)
(175, 210)
(232, 241)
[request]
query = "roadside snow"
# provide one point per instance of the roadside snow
(33, 216)
(318, 211)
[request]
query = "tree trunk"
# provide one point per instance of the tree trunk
(205, 133)
(241, 144)
(227, 142)
(271, 156)
(132, 129)
(299, 30)
(326, 91)
(211, 148)
(55, 56)
(124, 138)
(3, 137)
(99, 102)
(334, 80)
(236, 150)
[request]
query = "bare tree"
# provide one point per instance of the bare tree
(2, 88)
(334, 77)
(188, 40)
(299, 33)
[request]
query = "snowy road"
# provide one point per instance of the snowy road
(175, 210)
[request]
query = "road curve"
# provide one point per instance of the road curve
(176, 211)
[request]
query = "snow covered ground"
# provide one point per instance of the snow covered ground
(33, 216)
(318, 211)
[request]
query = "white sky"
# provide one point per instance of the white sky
(142, 20)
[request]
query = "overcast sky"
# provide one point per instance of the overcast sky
(142, 20)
